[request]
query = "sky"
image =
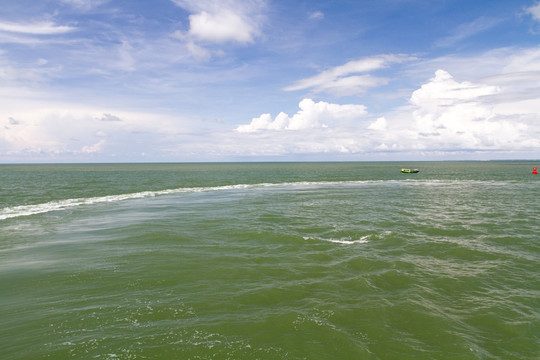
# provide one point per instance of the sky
(269, 80)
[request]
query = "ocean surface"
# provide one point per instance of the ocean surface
(270, 261)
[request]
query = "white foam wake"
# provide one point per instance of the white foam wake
(362, 240)
(343, 241)
(57, 205)
(27, 210)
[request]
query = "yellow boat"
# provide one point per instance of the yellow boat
(410, 171)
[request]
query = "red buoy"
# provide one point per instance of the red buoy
(535, 170)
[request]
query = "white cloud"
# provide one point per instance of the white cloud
(445, 118)
(379, 124)
(521, 60)
(198, 52)
(88, 149)
(444, 90)
(311, 115)
(45, 127)
(85, 4)
(32, 33)
(316, 15)
(467, 30)
(534, 11)
(221, 27)
(462, 115)
(345, 79)
(214, 21)
(510, 67)
(41, 28)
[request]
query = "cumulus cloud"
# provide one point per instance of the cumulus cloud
(348, 79)
(379, 124)
(445, 117)
(311, 115)
(222, 26)
(447, 107)
(444, 90)
(217, 22)
(462, 115)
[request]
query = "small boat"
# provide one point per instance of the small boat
(410, 171)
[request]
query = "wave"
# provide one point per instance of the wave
(58, 205)
(343, 241)
(27, 210)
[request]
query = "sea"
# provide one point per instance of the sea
(337, 260)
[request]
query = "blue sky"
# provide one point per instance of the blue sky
(252, 80)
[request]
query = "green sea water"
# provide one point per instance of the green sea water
(270, 261)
